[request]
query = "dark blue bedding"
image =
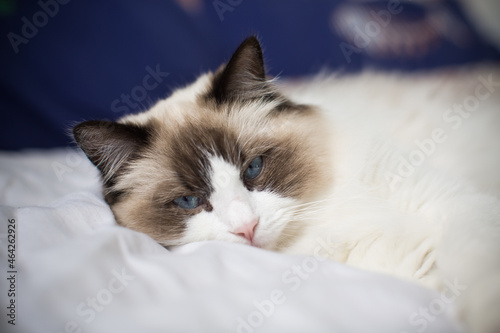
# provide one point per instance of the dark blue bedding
(66, 61)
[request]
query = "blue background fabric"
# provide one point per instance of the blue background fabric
(65, 61)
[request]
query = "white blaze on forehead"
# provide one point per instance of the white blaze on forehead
(231, 199)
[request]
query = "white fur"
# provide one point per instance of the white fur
(231, 201)
(417, 180)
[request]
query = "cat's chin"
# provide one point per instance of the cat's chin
(261, 243)
(252, 243)
(255, 242)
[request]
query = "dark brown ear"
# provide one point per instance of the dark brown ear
(244, 76)
(110, 145)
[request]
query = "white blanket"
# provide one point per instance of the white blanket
(75, 270)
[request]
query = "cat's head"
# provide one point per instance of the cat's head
(226, 158)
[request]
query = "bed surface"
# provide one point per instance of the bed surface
(77, 271)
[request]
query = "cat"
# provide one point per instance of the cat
(395, 173)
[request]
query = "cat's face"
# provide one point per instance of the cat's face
(227, 158)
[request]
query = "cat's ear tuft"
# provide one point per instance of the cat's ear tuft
(110, 145)
(243, 76)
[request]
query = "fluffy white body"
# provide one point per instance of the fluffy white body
(416, 180)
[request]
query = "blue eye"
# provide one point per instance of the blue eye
(254, 169)
(188, 202)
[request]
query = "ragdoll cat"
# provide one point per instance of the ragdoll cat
(393, 173)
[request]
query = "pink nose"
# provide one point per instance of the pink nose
(246, 230)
